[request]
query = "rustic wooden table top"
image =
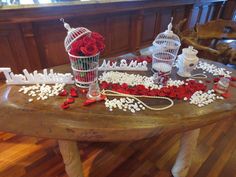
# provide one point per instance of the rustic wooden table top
(97, 123)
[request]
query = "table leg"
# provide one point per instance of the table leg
(188, 144)
(71, 158)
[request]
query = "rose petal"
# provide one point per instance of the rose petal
(226, 95)
(63, 93)
(65, 105)
(73, 89)
(233, 78)
(102, 97)
(70, 100)
(73, 92)
(88, 102)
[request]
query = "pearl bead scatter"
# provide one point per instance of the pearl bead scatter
(41, 92)
(201, 99)
(213, 69)
(176, 83)
(135, 79)
(131, 79)
(124, 104)
(132, 102)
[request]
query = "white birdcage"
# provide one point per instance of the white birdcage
(167, 41)
(85, 68)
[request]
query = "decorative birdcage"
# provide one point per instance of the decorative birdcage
(85, 68)
(167, 41)
(166, 47)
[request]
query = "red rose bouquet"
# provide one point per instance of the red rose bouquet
(84, 56)
(88, 45)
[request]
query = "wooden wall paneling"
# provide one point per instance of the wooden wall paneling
(13, 53)
(178, 14)
(50, 37)
(136, 29)
(120, 33)
(229, 10)
(187, 13)
(210, 13)
(108, 36)
(31, 45)
(217, 7)
(193, 17)
(6, 56)
(157, 23)
(149, 26)
(166, 14)
(204, 12)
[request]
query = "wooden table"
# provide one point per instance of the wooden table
(96, 123)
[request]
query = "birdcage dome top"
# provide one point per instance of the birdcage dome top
(73, 34)
(167, 39)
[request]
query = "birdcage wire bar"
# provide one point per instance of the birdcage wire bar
(85, 69)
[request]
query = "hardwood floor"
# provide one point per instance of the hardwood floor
(215, 156)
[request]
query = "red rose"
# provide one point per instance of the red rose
(74, 52)
(89, 50)
(124, 86)
(104, 85)
(88, 40)
(116, 86)
(149, 59)
(97, 36)
(77, 44)
(140, 87)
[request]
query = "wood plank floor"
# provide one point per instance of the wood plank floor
(215, 156)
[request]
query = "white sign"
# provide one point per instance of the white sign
(36, 78)
(124, 66)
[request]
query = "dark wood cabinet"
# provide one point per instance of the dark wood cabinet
(33, 38)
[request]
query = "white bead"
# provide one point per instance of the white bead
(30, 100)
